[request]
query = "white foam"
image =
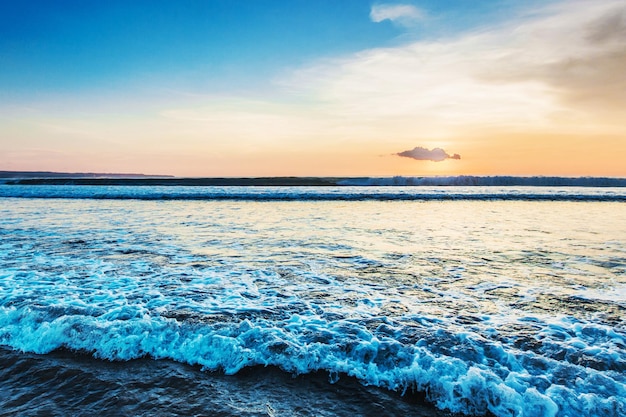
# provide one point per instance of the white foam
(305, 344)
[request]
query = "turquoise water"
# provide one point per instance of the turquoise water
(483, 304)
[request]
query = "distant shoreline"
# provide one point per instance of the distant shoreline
(193, 182)
(92, 179)
(56, 175)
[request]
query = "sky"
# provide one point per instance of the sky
(314, 88)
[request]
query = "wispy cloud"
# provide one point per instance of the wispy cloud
(423, 154)
(576, 49)
(540, 71)
(403, 14)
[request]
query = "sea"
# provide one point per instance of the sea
(353, 300)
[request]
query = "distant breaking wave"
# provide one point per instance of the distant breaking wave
(310, 193)
(497, 181)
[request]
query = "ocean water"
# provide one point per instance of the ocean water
(333, 301)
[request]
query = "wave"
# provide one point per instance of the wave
(494, 181)
(482, 376)
(305, 193)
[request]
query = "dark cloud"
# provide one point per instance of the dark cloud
(423, 154)
(596, 80)
(610, 27)
(592, 77)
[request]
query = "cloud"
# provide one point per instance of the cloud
(423, 154)
(554, 68)
(577, 50)
(403, 14)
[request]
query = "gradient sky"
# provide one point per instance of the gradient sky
(316, 87)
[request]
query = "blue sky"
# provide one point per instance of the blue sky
(342, 87)
(66, 46)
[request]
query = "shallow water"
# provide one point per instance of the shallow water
(511, 307)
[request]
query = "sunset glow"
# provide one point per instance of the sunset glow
(323, 88)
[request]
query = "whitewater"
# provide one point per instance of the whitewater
(503, 301)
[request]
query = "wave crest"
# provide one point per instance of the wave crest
(497, 382)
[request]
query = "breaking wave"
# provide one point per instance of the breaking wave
(475, 376)
(496, 181)
(356, 192)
